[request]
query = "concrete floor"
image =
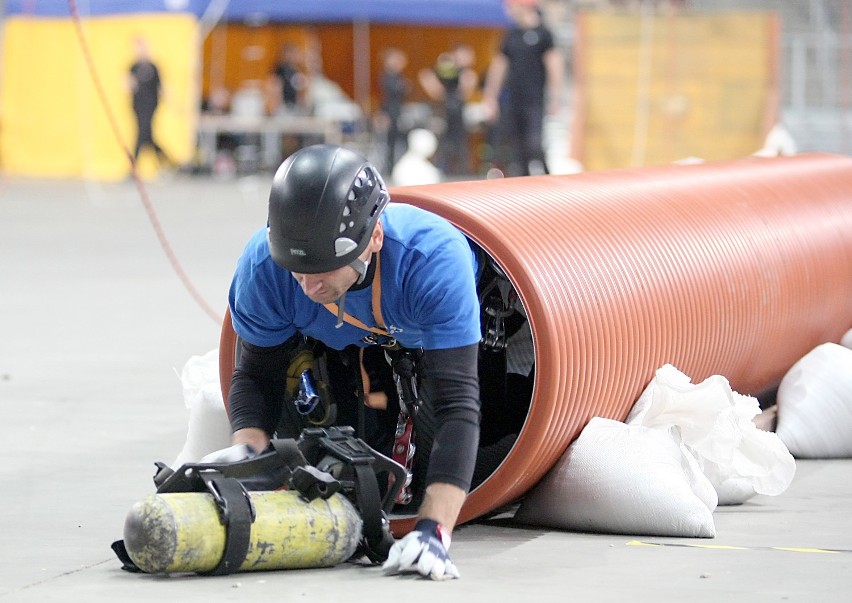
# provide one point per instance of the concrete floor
(96, 327)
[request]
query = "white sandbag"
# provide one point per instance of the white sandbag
(209, 428)
(815, 404)
(624, 479)
(846, 340)
(717, 426)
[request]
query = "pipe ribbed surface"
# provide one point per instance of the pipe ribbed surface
(733, 268)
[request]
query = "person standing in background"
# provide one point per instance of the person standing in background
(287, 90)
(531, 68)
(146, 87)
(395, 88)
(288, 83)
(452, 82)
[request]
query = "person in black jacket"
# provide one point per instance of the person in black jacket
(146, 87)
(530, 67)
(452, 82)
(288, 81)
(395, 89)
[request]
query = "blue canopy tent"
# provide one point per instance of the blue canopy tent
(435, 12)
(421, 12)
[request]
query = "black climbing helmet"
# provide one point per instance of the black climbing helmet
(323, 206)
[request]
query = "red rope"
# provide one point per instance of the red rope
(140, 186)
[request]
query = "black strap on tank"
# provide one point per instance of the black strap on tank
(369, 502)
(236, 513)
(365, 463)
(121, 552)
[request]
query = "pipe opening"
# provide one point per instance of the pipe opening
(506, 366)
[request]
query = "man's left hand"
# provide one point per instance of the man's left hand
(425, 551)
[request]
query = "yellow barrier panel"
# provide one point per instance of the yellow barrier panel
(653, 89)
(53, 121)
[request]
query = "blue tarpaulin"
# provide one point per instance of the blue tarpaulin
(436, 12)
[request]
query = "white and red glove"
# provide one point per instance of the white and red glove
(423, 550)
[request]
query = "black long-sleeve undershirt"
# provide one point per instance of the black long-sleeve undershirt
(450, 380)
(258, 385)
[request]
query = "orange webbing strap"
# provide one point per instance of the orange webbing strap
(375, 399)
(377, 306)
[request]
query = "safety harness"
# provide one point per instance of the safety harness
(403, 362)
(322, 462)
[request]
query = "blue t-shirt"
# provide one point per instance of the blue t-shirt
(428, 290)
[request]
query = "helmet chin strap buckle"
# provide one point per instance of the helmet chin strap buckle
(360, 266)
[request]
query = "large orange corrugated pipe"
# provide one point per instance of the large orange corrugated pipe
(733, 268)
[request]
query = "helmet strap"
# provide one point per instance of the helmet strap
(340, 311)
(360, 266)
(364, 269)
(365, 279)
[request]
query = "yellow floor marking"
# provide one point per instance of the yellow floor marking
(737, 548)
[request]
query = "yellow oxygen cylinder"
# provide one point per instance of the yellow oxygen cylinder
(182, 532)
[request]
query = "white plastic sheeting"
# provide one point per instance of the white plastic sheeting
(209, 429)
